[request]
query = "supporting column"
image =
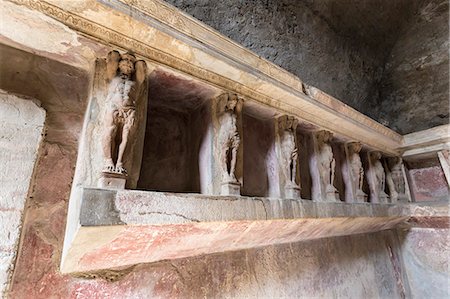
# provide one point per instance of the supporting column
(287, 156)
(225, 177)
(396, 180)
(113, 136)
(323, 167)
(123, 120)
(376, 178)
(353, 173)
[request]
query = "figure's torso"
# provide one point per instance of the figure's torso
(228, 124)
(120, 95)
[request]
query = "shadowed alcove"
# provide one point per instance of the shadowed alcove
(178, 118)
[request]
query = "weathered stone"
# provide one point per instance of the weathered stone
(176, 225)
(21, 126)
(428, 184)
(415, 71)
(426, 250)
(112, 181)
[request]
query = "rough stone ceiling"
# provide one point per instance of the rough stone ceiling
(339, 46)
(376, 23)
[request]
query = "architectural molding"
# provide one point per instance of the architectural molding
(426, 142)
(251, 76)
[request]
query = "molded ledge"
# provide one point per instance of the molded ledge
(123, 228)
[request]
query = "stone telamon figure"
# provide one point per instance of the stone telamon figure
(356, 169)
(326, 162)
(125, 76)
(395, 179)
(289, 151)
(228, 140)
(379, 178)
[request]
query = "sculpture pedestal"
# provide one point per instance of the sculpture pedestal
(332, 194)
(384, 198)
(230, 188)
(292, 192)
(361, 196)
(111, 180)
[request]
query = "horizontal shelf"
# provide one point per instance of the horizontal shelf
(121, 228)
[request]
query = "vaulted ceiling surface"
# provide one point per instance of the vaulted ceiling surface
(339, 46)
(376, 23)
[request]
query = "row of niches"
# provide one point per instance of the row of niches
(198, 139)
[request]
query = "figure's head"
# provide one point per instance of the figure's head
(289, 122)
(232, 102)
(324, 136)
(355, 147)
(126, 64)
(376, 156)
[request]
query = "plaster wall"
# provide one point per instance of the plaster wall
(428, 183)
(426, 253)
(260, 162)
(321, 268)
(166, 152)
(173, 145)
(21, 126)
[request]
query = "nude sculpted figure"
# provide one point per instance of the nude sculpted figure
(395, 180)
(326, 162)
(125, 76)
(378, 178)
(356, 169)
(289, 151)
(229, 139)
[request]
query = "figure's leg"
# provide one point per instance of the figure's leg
(109, 134)
(361, 177)
(294, 168)
(127, 127)
(234, 150)
(333, 168)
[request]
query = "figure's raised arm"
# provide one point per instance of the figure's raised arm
(112, 64)
(141, 71)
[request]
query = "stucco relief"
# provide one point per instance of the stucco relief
(228, 138)
(289, 151)
(396, 181)
(288, 155)
(376, 178)
(125, 78)
(326, 165)
(355, 171)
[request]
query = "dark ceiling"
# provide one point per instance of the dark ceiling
(377, 23)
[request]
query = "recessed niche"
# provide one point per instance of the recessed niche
(305, 152)
(178, 118)
(260, 168)
(339, 156)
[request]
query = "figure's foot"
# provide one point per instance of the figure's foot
(120, 169)
(229, 178)
(291, 184)
(108, 166)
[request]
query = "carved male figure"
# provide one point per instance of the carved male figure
(326, 162)
(228, 137)
(395, 179)
(356, 169)
(378, 178)
(125, 76)
(289, 152)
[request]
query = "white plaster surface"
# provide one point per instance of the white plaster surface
(57, 41)
(426, 256)
(21, 124)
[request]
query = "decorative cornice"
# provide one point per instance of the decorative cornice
(200, 32)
